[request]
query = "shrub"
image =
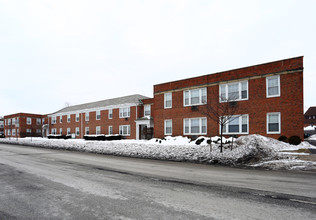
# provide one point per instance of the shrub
(295, 140)
(199, 141)
(283, 138)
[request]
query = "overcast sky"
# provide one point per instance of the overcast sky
(53, 52)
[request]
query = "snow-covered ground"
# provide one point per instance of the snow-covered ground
(310, 127)
(251, 150)
(312, 138)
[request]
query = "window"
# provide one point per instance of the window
(168, 100)
(194, 97)
(68, 118)
(77, 131)
(60, 131)
(13, 132)
(98, 115)
(9, 132)
(98, 130)
(77, 117)
(54, 120)
(273, 86)
(29, 131)
(146, 110)
(68, 131)
(9, 121)
(168, 127)
(125, 130)
(53, 131)
(61, 119)
(110, 113)
(87, 116)
(38, 131)
(233, 91)
(236, 125)
(314, 117)
(110, 130)
(13, 121)
(1, 124)
(43, 120)
(87, 130)
(38, 121)
(29, 121)
(125, 112)
(274, 123)
(194, 126)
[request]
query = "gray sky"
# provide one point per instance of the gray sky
(53, 52)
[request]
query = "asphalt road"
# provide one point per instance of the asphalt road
(40, 183)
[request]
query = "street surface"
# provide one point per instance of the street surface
(38, 183)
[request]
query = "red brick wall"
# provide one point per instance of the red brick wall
(289, 104)
(104, 122)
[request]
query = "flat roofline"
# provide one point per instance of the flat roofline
(204, 75)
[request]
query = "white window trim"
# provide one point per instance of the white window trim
(60, 131)
(190, 133)
(85, 130)
(96, 115)
(54, 131)
(87, 116)
(110, 133)
(54, 120)
(149, 106)
(165, 128)
(68, 131)
(200, 97)
(240, 126)
(121, 112)
(121, 128)
(77, 117)
(110, 114)
(279, 86)
(96, 130)
(27, 121)
(267, 124)
(239, 91)
(166, 107)
(68, 118)
(77, 131)
(60, 119)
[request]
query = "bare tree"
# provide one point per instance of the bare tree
(222, 113)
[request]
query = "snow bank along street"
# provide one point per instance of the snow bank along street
(252, 150)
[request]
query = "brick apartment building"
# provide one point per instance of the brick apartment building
(310, 116)
(24, 125)
(269, 99)
(123, 115)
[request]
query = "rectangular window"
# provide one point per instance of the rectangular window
(9, 132)
(54, 120)
(98, 130)
(168, 127)
(274, 123)
(13, 132)
(68, 118)
(77, 117)
(77, 131)
(168, 100)
(110, 130)
(146, 110)
(87, 116)
(273, 86)
(233, 91)
(194, 97)
(236, 125)
(98, 115)
(125, 112)
(60, 131)
(193, 126)
(125, 130)
(38, 121)
(29, 121)
(9, 121)
(53, 131)
(38, 131)
(68, 131)
(13, 121)
(43, 121)
(87, 130)
(61, 119)
(110, 113)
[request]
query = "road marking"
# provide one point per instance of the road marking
(302, 201)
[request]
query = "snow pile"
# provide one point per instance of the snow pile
(310, 128)
(251, 150)
(313, 137)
